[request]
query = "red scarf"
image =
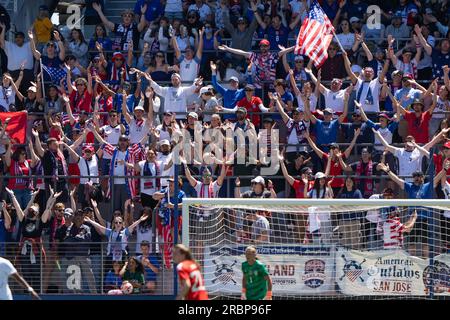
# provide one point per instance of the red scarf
(368, 171)
(210, 191)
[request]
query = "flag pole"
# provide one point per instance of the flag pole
(337, 40)
(42, 78)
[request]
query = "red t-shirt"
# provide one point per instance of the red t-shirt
(55, 133)
(438, 162)
(252, 106)
(188, 269)
(80, 102)
(299, 187)
(335, 170)
(19, 169)
(418, 127)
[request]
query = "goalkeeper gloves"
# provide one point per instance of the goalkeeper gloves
(268, 295)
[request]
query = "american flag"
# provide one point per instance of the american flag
(352, 275)
(315, 35)
(56, 74)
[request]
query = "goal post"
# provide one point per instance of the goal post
(323, 248)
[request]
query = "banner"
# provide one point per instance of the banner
(294, 270)
(437, 275)
(380, 273)
(17, 126)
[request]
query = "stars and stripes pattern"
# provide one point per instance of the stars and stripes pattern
(315, 35)
(56, 74)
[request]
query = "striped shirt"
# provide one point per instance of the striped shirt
(393, 231)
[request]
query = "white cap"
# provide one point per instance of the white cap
(233, 78)
(356, 68)
(176, 75)
(259, 179)
(203, 90)
(193, 115)
(32, 88)
(139, 107)
(319, 175)
(164, 142)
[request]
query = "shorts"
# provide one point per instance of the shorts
(419, 233)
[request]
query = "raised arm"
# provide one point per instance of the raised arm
(237, 188)
(307, 110)
(108, 24)
(142, 21)
(390, 148)
(136, 223)
(315, 80)
(352, 143)
(100, 229)
(391, 54)
(34, 51)
(62, 49)
(319, 152)
(125, 112)
(348, 68)
(235, 51)
(97, 213)
(347, 93)
(98, 137)
(286, 174)
(37, 143)
(422, 40)
(176, 49)
(223, 173)
(199, 54)
(393, 176)
(280, 108)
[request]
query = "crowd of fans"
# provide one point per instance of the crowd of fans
(117, 104)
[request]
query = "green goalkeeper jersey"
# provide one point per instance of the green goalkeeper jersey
(254, 279)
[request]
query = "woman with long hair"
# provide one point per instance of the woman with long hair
(79, 47)
(100, 36)
(133, 271)
(346, 37)
(9, 91)
(350, 222)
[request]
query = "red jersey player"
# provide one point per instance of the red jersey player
(191, 279)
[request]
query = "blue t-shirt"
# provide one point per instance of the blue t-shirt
(408, 95)
(154, 9)
(424, 191)
(326, 132)
(354, 194)
(149, 274)
(277, 37)
(230, 97)
(113, 279)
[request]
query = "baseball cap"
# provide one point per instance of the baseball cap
(203, 90)
(233, 78)
(408, 76)
(447, 145)
(89, 147)
(334, 145)
(242, 109)
(428, 11)
(264, 42)
(139, 107)
(396, 73)
(328, 110)
(241, 19)
(259, 179)
(384, 115)
(68, 212)
(397, 16)
(356, 68)
(193, 114)
(164, 142)
(168, 113)
(417, 101)
(299, 58)
(175, 75)
(32, 88)
(249, 87)
(269, 120)
(319, 175)
(88, 209)
(354, 19)
(117, 55)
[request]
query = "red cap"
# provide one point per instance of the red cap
(117, 55)
(447, 145)
(264, 42)
(408, 75)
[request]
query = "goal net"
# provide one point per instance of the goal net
(316, 249)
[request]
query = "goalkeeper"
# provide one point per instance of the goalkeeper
(256, 281)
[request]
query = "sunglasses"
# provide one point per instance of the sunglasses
(80, 84)
(206, 175)
(192, 17)
(159, 56)
(118, 222)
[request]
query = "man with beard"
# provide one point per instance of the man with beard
(55, 165)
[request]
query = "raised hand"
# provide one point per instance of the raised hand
(96, 7)
(417, 29)
(34, 133)
(223, 47)
(342, 4)
(30, 34)
(390, 40)
(56, 35)
(357, 132)
(144, 9)
(10, 192)
(237, 182)
(213, 66)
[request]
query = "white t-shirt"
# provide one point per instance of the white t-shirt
(145, 234)
(6, 270)
(408, 162)
(119, 169)
(209, 107)
(189, 68)
(175, 99)
(346, 40)
(386, 134)
(203, 11)
(138, 130)
(374, 215)
(446, 190)
(312, 103)
(206, 192)
(148, 185)
(293, 139)
(441, 106)
(334, 100)
(169, 172)
(174, 6)
(7, 97)
(111, 135)
(17, 55)
(93, 169)
(163, 134)
(369, 95)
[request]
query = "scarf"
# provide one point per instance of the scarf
(54, 159)
(368, 171)
(55, 225)
(210, 191)
(299, 129)
(22, 182)
(111, 171)
(369, 96)
(148, 173)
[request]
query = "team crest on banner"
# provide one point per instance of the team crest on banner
(437, 276)
(352, 269)
(314, 275)
(224, 272)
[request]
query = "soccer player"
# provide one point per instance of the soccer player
(191, 279)
(256, 281)
(7, 270)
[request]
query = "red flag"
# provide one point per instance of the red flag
(315, 35)
(17, 126)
